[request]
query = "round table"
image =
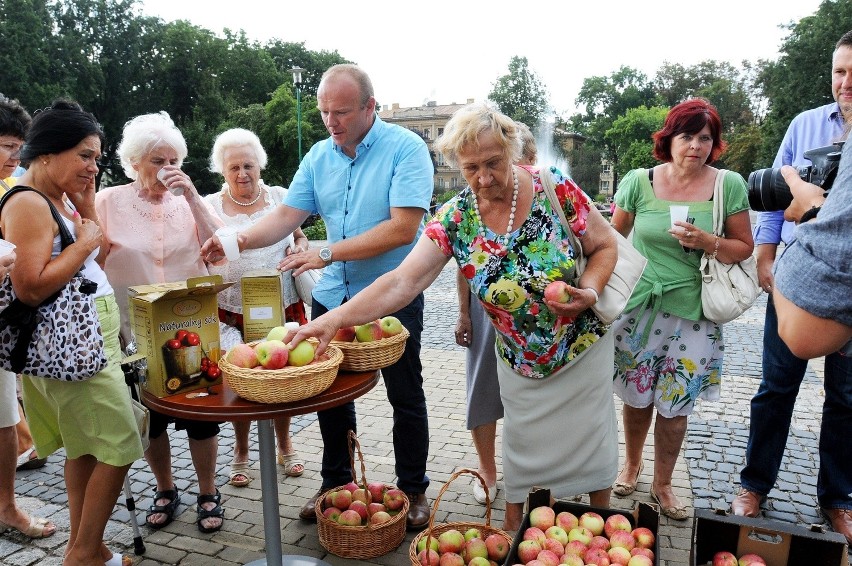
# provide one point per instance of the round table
(222, 404)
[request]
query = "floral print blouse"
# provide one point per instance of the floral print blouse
(509, 273)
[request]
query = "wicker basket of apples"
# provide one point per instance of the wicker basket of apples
(460, 543)
(371, 346)
(269, 371)
(361, 520)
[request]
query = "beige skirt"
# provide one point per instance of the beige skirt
(560, 432)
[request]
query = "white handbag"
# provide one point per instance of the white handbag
(305, 283)
(628, 270)
(727, 290)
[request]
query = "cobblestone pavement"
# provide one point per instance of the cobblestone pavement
(705, 477)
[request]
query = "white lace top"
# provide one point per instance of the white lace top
(231, 299)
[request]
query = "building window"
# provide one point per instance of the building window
(604, 186)
(605, 168)
(426, 133)
(440, 131)
(439, 159)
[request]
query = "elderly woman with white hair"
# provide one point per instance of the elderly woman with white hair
(152, 229)
(244, 199)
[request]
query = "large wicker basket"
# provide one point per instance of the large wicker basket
(283, 385)
(368, 541)
(370, 356)
(434, 531)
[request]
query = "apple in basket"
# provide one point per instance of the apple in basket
(345, 334)
(619, 555)
(479, 561)
(350, 518)
(451, 559)
(592, 521)
(542, 518)
(380, 517)
(369, 332)
(498, 547)
(272, 354)
(450, 541)
(361, 508)
(332, 514)
(377, 491)
(433, 543)
(475, 547)
(301, 354)
(243, 356)
(341, 499)
(617, 522)
(277, 333)
(471, 533)
(567, 520)
(394, 499)
(391, 326)
(428, 557)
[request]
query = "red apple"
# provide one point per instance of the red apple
(644, 537)
(536, 534)
(273, 354)
(555, 546)
(428, 557)
(497, 546)
(350, 518)
(592, 521)
(751, 560)
(724, 558)
(369, 332)
(617, 522)
(475, 547)
(622, 539)
(394, 499)
(362, 495)
(597, 556)
(345, 334)
(174, 344)
(557, 291)
(377, 491)
(600, 541)
(341, 499)
(572, 560)
(332, 513)
(542, 517)
(327, 501)
(192, 339)
(379, 517)
(639, 551)
(576, 548)
(451, 559)
(619, 555)
(639, 560)
(373, 508)
(450, 541)
(181, 334)
(361, 508)
(527, 550)
(548, 557)
(558, 533)
(567, 520)
(581, 534)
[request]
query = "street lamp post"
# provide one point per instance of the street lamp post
(297, 82)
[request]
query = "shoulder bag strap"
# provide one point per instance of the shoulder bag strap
(719, 203)
(64, 234)
(546, 177)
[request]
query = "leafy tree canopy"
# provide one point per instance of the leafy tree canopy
(520, 94)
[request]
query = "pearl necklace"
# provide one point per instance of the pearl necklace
(246, 204)
(514, 206)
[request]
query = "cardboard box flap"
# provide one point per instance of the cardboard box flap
(193, 287)
(779, 543)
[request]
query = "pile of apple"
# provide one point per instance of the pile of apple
(452, 548)
(371, 331)
(725, 558)
(355, 506)
(272, 353)
(553, 539)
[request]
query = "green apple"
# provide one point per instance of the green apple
(369, 332)
(301, 354)
(277, 333)
(391, 326)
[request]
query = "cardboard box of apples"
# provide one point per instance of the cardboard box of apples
(460, 543)
(719, 539)
(573, 534)
(272, 371)
(373, 345)
(361, 519)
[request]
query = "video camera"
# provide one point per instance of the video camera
(767, 190)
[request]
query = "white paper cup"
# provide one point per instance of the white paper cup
(291, 325)
(678, 212)
(177, 191)
(228, 238)
(6, 247)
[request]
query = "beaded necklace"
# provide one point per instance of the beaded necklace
(246, 204)
(511, 223)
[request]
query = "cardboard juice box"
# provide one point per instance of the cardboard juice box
(643, 515)
(778, 543)
(262, 303)
(177, 330)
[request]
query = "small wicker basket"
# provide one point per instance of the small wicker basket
(370, 356)
(283, 385)
(434, 531)
(368, 541)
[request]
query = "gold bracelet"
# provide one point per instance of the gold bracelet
(715, 248)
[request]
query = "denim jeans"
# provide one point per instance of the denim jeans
(772, 411)
(404, 384)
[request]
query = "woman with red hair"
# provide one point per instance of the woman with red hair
(667, 354)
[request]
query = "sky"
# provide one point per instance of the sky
(451, 51)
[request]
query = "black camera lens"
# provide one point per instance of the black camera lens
(767, 190)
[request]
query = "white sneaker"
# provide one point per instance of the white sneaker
(479, 493)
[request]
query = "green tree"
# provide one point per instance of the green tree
(630, 135)
(801, 77)
(585, 164)
(520, 94)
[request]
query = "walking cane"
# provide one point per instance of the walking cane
(131, 378)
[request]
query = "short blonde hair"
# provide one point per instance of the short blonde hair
(235, 137)
(469, 122)
(142, 134)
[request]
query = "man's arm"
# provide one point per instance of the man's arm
(808, 336)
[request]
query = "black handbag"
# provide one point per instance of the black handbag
(60, 338)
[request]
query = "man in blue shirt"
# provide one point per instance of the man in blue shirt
(783, 372)
(371, 182)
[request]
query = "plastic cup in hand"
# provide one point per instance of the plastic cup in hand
(177, 190)
(228, 238)
(6, 247)
(678, 212)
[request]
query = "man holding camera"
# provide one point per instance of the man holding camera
(783, 371)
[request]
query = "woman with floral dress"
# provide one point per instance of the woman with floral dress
(559, 427)
(667, 354)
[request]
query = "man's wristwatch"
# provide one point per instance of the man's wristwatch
(325, 255)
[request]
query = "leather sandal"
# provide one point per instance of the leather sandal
(678, 513)
(168, 509)
(208, 513)
(239, 475)
(37, 528)
(623, 489)
(292, 463)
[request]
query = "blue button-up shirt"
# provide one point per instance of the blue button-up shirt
(391, 169)
(813, 128)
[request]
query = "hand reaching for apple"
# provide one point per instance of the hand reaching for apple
(323, 328)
